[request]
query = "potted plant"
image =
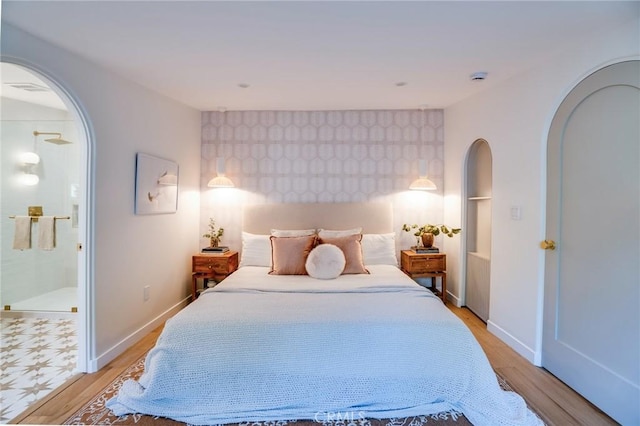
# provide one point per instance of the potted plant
(214, 235)
(426, 233)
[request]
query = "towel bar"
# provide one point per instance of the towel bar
(36, 217)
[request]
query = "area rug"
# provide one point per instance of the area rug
(94, 412)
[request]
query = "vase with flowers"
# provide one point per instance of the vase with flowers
(425, 234)
(214, 234)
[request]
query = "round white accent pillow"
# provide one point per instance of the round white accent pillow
(325, 262)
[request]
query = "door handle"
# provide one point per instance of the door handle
(548, 245)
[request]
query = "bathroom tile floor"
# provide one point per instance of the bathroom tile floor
(36, 356)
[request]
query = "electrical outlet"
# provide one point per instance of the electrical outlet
(147, 290)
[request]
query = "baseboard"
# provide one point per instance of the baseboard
(514, 343)
(104, 359)
(454, 299)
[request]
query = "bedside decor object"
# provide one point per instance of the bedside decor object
(156, 185)
(425, 233)
(325, 262)
(214, 235)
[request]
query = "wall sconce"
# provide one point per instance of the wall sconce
(29, 160)
(423, 183)
(220, 181)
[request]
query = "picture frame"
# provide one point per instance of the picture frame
(156, 186)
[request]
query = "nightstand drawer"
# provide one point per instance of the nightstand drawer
(214, 264)
(201, 264)
(422, 263)
(428, 265)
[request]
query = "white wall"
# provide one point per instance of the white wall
(514, 118)
(130, 251)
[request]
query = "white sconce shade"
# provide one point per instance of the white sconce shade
(29, 179)
(220, 181)
(423, 183)
(29, 158)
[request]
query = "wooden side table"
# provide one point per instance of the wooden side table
(426, 265)
(214, 267)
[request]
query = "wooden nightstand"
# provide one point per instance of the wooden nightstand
(214, 267)
(426, 265)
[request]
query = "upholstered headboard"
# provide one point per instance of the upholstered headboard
(374, 218)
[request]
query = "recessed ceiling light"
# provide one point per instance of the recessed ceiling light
(401, 83)
(478, 76)
(243, 85)
(422, 107)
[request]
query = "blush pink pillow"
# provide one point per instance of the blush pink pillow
(352, 249)
(289, 254)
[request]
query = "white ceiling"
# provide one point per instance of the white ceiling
(316, 55)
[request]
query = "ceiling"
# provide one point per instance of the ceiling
(317, 55)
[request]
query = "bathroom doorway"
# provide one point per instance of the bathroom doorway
(43, 214)
(478, 228)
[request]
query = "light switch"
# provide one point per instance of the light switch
(516, 213)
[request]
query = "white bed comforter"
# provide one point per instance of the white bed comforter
(263, 347)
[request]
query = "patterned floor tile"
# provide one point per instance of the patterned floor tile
(36, 356)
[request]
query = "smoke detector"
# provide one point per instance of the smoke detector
(478, 76)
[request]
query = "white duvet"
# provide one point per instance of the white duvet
(262, 347)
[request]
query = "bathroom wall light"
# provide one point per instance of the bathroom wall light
(29, 179)
(30, 158)
(220, 181)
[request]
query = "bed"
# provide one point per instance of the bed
(265, 347)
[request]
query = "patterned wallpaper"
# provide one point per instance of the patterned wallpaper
(321, 156)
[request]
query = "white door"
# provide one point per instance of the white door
(592, 280)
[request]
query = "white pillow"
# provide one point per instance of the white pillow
(292, 232)
(256, 250)
(326, 233)
(325, 262)
(379, 249)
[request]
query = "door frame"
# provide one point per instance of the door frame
(86, 217)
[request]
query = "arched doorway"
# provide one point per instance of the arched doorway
(478, 228)
(45, 171)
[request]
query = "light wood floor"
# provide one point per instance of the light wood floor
(555, 402)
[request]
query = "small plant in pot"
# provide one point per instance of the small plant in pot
(214, 235)
(426, 233)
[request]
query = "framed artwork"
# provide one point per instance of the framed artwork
(156, 185)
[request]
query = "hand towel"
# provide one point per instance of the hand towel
(47, 232)
(22, 236)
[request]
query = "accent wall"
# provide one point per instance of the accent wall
(323, 157)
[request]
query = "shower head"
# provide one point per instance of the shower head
(57, 140)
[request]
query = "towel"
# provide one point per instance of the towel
(47, 233)
(22, 236)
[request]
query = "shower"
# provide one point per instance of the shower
(57, 140)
